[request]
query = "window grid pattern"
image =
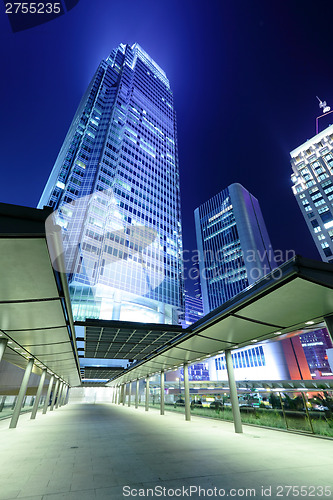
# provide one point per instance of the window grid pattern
(249, 358)
(120, 159)
(224, 266)
(313, 187)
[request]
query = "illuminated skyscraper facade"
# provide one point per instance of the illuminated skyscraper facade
(312, 178)
(233, 245)
(115, 191)
(234, 251)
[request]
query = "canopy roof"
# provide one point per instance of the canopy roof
(35, 311)
(280, 304)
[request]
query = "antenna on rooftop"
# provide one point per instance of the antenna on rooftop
(325, 108)
(323, 105)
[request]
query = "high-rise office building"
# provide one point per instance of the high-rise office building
(233, 245)
(193, 309)
(315, 346)
(235, 251)
(312, 164)
(115, 191)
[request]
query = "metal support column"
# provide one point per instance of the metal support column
(118, 394)
(147, 394)
(66, 393)
(3, 344)
(46, 403)
(63, 397)
(39, 393)
(124, 395)
(162, 393)
(54, 394)
(61, 387)
(137, 393)
(233, 393)
(187, 393)
(129, 393)
(21, 394)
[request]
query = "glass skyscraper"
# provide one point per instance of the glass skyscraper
(233, 245)
(312, 178)
(234, 252)
(115, 191)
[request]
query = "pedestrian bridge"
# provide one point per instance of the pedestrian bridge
(107, 451)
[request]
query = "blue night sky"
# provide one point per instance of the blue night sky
(245, 75)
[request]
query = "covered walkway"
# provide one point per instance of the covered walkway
(92, 451)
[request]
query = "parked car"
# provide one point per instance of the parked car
(196, 404)
(216, 405)
(179, 402)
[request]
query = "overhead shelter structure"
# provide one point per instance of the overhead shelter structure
(283, 303)
(36, 324)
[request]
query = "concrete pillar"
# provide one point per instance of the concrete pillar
(129, 393)
(124, 395)
(137, 393)
(64, 394)
(233, 393)
(162, 393)
(2, 404)
(54, 394)
(39, 393)
(61, 387)
(46, 403)
(147, 394)
(329, 325)
(118, 395)
(3, 344)
(187, 393)
(21, 394)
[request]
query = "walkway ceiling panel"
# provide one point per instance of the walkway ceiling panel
(40, 337)
(126, 342)
(35, 309)
(28, 271)
(31, 315)
(11, 356)
(295, 303)
(233, 330)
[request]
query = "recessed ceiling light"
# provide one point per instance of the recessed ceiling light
(254, 340)
(277, 333)
(309, 323)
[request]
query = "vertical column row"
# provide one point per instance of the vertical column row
(232, 388)
(17, 407)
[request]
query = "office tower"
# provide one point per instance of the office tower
(193, 309)
(235, 251)
(115, 191)
(315, 345)
(312, 164)
(233, 245)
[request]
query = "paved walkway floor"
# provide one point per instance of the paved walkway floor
(103, 451)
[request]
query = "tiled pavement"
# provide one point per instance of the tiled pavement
(103, 451)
